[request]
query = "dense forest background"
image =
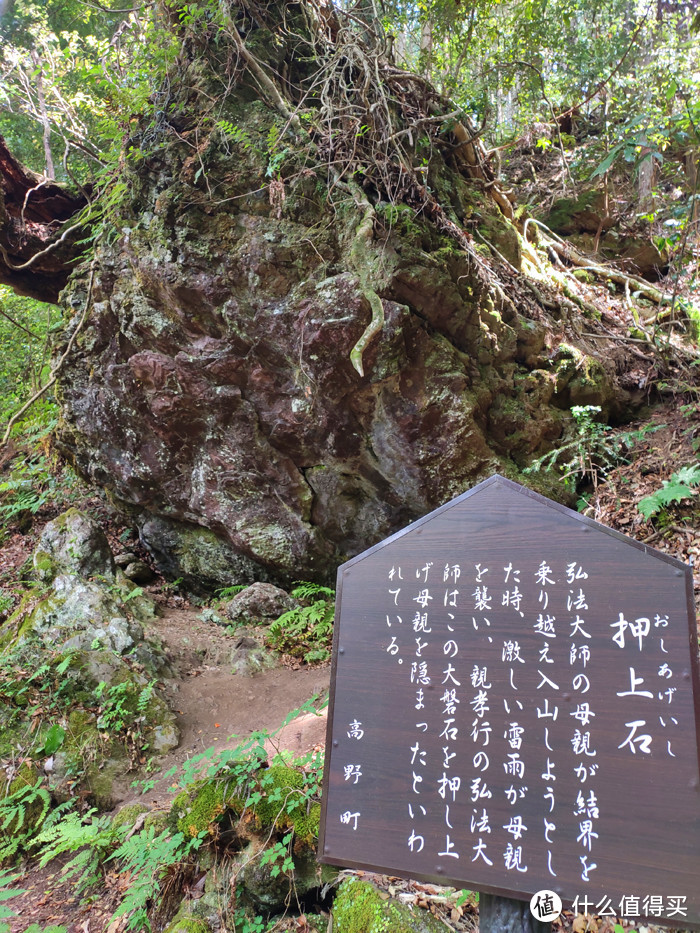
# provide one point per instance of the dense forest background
(279, 278)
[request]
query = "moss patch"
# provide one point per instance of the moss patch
(284, 805)
(187, 925)
(128, 815)
(359, 908)
(200, 807)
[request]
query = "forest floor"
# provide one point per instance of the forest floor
(214, 709)
(218, 709)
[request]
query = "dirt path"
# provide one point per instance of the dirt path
(214, 708)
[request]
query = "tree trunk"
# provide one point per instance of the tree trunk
(37, 238)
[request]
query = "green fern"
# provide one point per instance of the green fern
(228, 592)
(236, 134)
(681, 485)
(21, 815)
(306, 632)
(310, 590)
(147, 857)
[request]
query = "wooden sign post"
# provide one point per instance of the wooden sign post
(515, 709)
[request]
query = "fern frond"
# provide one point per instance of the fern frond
(304, 590)
(689, 475)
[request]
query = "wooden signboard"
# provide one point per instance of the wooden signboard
(515, 707)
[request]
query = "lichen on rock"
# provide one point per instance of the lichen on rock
(259, 603)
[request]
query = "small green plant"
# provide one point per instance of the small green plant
(306, 632)
(592, 452)
(243, 923)
(681, 485)
(52, 928)
(279, 856)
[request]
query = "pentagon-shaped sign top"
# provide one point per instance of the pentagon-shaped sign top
(515, 707)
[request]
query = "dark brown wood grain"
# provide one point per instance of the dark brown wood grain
(584, 592)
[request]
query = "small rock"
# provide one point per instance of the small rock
(260, 603)
(166, 737)
(252, 659)
(74, 544)
(138, 572)
(124, 559)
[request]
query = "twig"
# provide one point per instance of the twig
(17, 324)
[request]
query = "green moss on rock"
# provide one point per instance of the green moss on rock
(128, 815)
(199, 807)
(359, 908)
(188, 925)
(283, 804)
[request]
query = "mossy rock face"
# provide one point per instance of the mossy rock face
(90, 756)
(157, 820)
(586, 213)
(283, 805)
(269, 890)
(580, 379)
(359, 908)
(220, 352)
(77, 614)
(197, 556)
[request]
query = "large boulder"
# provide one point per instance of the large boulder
(216, 387)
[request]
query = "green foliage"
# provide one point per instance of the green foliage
(34, 478)
(228, 592)
(123, 706)
(28, 488)
(591, 452)
(236, 778)
(25, 327)
(6, 893)
(90, 836)
(51, 928)
(279, 855)
(53, 739)
(21, 814)
(148, 856)
(306, 632)
(52, 702)
(681, 485)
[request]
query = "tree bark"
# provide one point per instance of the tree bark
(38, 234)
